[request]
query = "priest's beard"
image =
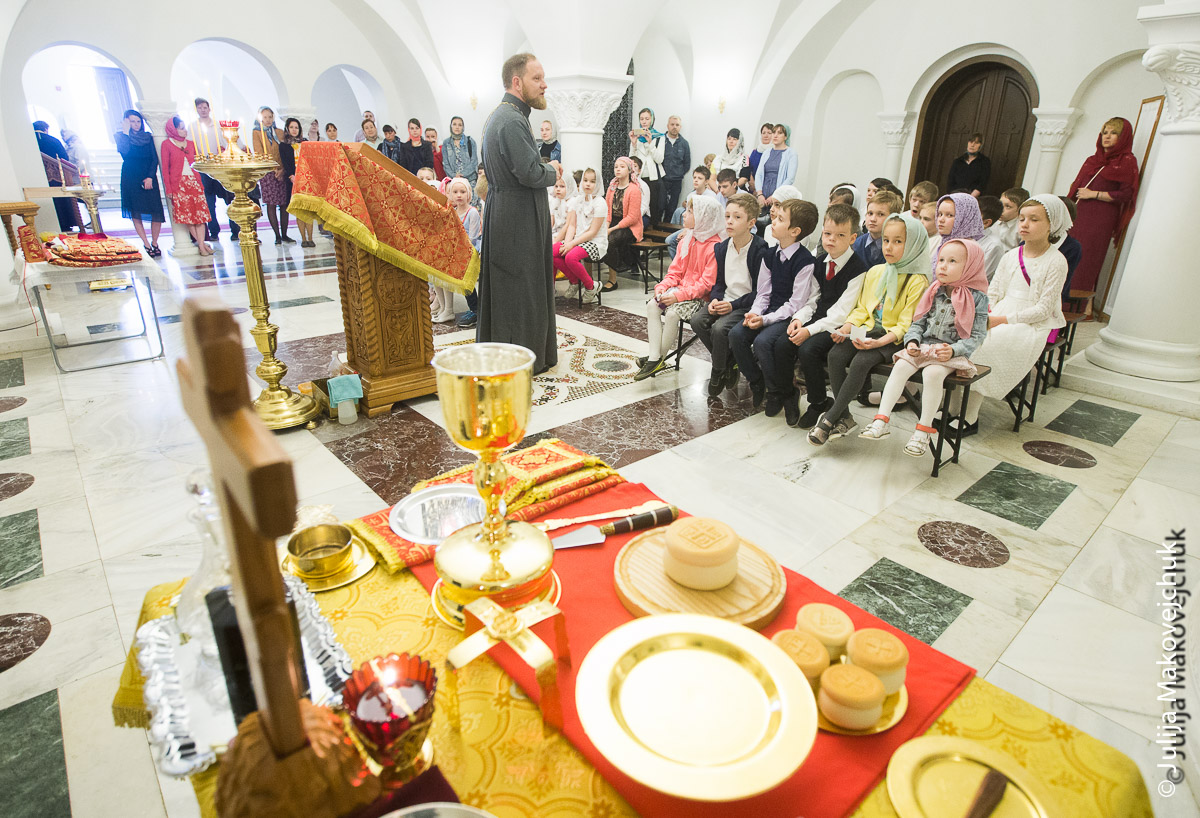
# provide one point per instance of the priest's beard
(533, 97)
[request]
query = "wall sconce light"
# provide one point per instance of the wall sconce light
(721, 105)
(474, 100)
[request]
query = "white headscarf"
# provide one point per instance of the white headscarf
(858, 202)
(1056, 211)
(786, 192)
(459, 180)
(708, 214)
(734, 160)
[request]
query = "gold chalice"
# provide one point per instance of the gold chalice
(486, 393)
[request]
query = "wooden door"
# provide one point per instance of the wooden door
(113, 89)
(986, 97)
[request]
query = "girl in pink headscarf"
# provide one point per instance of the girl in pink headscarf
(949, 324)
(182, 183)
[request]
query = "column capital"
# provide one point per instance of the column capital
(584, 102)
(896, 127)
(1054, 126)
(157, 113)
(1178, 66)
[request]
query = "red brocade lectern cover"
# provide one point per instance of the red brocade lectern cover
(361, 195)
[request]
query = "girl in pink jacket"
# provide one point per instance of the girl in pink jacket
(685, 288)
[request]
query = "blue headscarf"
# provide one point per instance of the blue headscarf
(653, 133)
(914, 260)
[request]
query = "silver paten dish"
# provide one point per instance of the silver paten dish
(191, 721)
(428, 516)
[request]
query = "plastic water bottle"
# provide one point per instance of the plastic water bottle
(347, 413)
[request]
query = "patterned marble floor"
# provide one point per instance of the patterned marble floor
(1033, 560)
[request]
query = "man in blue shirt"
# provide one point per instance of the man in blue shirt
(677, 163)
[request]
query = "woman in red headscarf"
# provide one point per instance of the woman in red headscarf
(182, 183)
(1105, 191)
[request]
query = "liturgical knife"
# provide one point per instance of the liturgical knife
(595, 534)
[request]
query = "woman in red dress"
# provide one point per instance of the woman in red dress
(182, 183)
(1106, 191)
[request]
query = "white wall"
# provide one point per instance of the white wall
(234, 82)
(841, 141)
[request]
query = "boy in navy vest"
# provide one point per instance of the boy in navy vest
(739, 258)
(785, 284)
(838, 274)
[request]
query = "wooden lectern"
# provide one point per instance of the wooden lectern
(389, 327)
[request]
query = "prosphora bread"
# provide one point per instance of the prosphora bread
(804, 649)
(830, 625)
(851, 697)
(701, 553)
(880, 653)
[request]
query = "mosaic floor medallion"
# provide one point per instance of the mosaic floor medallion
(11, 403)
(1059, 454)
(20, 635)
(963, 544)
(13, 483)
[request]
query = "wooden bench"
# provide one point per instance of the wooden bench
(644, 249)
(946, 435)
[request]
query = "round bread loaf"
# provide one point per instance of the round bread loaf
(806, 651)
(880, 653)
(701, 553)
(851, 697)
(830, 625)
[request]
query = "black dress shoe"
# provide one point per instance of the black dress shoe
(757, 393)
(773, 406)
(812, 413)
(731, 377)
(716, 384)
(791, 410)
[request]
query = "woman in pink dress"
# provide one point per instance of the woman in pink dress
(182, 183)
(1105, 192)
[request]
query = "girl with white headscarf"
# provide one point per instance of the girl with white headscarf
(684, 290)
(1025, 296)
(561, 193)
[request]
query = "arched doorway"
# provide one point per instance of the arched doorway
(992, 95)
(235, 79)
(342, 93)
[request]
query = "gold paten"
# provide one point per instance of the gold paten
(486, 395)
(696, 707)
(277, 406)
(938, 776)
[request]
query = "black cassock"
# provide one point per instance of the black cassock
(516, 279)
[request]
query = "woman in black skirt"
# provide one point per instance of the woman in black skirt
(140, 197)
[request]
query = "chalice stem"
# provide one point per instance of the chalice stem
(491, 475)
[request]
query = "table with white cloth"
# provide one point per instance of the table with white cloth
(39, 277)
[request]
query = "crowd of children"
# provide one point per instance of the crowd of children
(930, 285)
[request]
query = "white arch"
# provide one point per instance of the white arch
(1103, 68)
(923, 85)
(342, 92)
(235, 77)
(816, 149)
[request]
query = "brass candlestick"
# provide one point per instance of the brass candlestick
(238, 172)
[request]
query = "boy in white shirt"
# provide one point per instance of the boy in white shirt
(734, 290)
(990, 209)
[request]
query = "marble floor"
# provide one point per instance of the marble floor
(1033, 559)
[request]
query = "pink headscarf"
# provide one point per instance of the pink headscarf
(632, 174)
(179, 134)
(974, 277)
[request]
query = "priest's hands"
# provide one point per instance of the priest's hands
(558, 168)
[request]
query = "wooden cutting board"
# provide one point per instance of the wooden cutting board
(753, 599)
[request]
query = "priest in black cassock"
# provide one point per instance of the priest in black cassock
(516, 279)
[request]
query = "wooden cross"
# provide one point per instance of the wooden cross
(252, 477)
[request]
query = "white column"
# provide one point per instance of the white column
(1153, 329)
(305, 114)
(582, 104)
(159, 113)
(1054, 126)
(896, 128)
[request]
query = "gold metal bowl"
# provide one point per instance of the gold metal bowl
(320, 551)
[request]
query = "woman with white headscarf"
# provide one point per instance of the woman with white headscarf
(1025, 302)
(684, 290)
(734, 157)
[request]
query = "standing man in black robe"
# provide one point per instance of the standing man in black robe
(516, 279)
(50, 146)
